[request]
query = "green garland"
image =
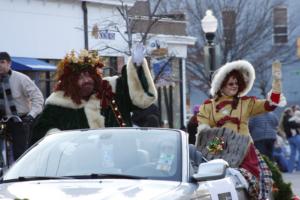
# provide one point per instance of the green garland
(281, 190)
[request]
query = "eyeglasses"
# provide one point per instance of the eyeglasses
(232, 84)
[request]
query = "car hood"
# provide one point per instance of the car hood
(87, 189)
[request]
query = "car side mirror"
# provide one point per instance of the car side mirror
(211, 170)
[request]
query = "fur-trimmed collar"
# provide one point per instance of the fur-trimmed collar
(58, 99)
(91, 107)
(241, 65)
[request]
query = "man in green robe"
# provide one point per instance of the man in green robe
(82, 98)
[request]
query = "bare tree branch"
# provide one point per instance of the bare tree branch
(129, 28)
(115, 49)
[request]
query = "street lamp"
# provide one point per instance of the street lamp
(209, 25)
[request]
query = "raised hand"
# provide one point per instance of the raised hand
(276, 70)
(138, 54)
(276, 75)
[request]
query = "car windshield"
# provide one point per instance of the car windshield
(143, 153)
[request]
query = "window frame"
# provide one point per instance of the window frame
(274, 26)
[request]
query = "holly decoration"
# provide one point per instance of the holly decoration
(216, 145)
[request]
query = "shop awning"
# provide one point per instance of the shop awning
(31, 64)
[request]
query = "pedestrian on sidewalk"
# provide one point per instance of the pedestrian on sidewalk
(19, 97)
(263, 130)
(292, 124)
(280, 154)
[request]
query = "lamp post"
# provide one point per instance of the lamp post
(209, 25)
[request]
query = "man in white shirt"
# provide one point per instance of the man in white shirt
(19, 96)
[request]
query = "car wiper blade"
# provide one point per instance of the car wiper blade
(108, 176)
(34, 178)
(125, 176)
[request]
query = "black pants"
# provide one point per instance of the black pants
(19, 135)
(265, 147)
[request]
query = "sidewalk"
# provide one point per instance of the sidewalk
(293, 178)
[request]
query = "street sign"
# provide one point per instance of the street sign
(105, 34)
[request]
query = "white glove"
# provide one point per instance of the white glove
(276, 74)
(138, 54)
(276, 70)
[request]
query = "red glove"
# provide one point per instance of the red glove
(275, 97)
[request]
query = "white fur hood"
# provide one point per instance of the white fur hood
(241, 65)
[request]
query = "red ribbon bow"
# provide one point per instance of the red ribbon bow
(227, 118)
(222, 104)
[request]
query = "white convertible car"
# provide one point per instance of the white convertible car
(119, 163)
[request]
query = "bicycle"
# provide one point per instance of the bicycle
(6, 154)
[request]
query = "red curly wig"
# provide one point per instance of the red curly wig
(69, 69)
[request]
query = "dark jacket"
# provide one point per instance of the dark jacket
(192, 129)
(263, 126)
(148, 117)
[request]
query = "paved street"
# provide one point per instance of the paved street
(294, 178)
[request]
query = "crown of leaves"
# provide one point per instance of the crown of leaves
(75, 63)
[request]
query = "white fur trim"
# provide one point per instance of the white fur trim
(92, 110)
(241, 65)
(282, 100)
(58, 99)
(136, 91)
(112, 81)
(200, 128)
(91, 107)
(52, 131)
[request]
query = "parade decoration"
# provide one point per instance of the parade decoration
(216, 145)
